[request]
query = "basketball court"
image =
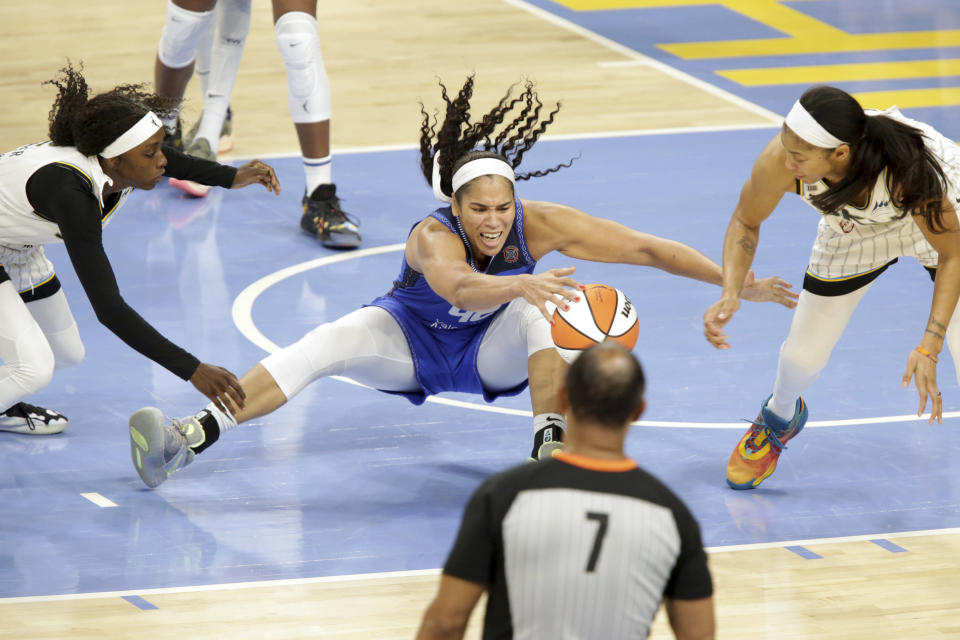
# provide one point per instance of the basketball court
(330, 517)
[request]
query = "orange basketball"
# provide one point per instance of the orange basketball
(603, 313)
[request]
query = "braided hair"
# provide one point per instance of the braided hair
(90, 124)
(917, 180)
(459, 140)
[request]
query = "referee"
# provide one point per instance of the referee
(582, 546)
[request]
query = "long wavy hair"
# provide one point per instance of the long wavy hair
(459, 140)
(90, 124)
(917, 182)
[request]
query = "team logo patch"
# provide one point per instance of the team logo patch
(511, 254)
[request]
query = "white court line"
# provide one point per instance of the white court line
(242, 312)
(99, 500)
(397, 575)
(718, 128)
(630, 54)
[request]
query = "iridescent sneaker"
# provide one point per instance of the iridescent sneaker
(226, 132)
(32, 420)
(157, 448)
(324, 219)
(198, 148)
(756, 455)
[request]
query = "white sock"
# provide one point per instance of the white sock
(543, 420)
(317, 171)
(214, 113)
(224, 420)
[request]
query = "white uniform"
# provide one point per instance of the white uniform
(859, 240)
(23, 231)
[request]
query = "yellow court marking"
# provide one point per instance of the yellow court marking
(803, 34)
(829, 73)
(910, 98)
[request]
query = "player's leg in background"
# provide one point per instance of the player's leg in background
(233, 26)
(516, 347)
(217, 64)
(308, 97)
(187, 23)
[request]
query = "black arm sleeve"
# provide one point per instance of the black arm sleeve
(184, 167)
(62, 196)
(690, 579)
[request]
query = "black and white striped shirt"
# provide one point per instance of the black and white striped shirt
(577, 548)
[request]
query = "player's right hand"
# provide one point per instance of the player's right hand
(550, 286)
(716, 317)
(220, 386)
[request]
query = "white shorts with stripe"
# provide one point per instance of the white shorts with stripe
(28, 267)
(839, 256)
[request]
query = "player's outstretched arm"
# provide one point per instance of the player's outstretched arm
(760, 195)
(439, 256)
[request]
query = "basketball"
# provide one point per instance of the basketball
(603, 313)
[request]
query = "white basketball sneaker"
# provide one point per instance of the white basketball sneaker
(159, 449)
(32, 420)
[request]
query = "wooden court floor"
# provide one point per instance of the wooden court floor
(383, 58)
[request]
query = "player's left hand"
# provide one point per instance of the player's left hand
(256, 172)
(924, 371)
(772, 289)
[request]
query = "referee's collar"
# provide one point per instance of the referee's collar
(596, 464)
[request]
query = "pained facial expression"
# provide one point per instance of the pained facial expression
(486, 211)
(811, 164)
(141, 167)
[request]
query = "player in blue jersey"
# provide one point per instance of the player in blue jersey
(466, 313)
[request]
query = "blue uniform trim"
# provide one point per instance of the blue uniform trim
(444, 341)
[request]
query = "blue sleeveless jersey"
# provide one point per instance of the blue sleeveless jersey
(443, 339)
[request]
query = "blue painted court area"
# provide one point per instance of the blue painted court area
(346, 480)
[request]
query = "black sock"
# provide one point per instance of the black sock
(551, 433)
(211, 430)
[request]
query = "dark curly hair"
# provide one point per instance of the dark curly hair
(92, 124)
(459, 141)
(877, 142)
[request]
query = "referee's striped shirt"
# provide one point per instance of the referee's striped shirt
(578, 548)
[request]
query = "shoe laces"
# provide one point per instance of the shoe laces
(756, 428)
(24, 410)
(333, 215)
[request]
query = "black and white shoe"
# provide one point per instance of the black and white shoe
(31, 420)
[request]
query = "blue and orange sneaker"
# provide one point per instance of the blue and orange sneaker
(755, 457)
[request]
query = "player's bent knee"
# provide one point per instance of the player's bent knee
(68, 353)
(307, 84)
(182, 33)
(31, 362)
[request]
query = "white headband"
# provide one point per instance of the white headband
(138, 133)
(469, 171)
(805, 125)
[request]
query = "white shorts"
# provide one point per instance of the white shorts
(28, 268)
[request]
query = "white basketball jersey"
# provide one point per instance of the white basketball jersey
(863, 221)
(20, 226)
(860, 239)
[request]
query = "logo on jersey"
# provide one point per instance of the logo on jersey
(846, 225)
(511, 254)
